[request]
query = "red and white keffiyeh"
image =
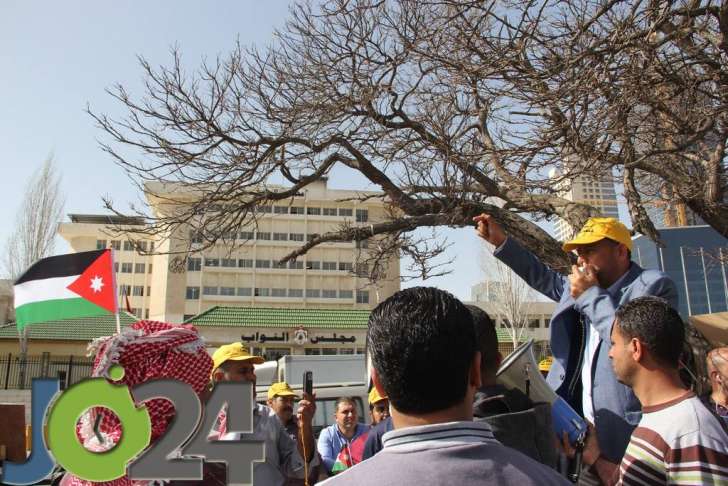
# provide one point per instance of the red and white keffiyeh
(147, 350)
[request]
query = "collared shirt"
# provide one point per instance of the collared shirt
(590, 348)
(332, 440)
(281, 452)
(422, 437)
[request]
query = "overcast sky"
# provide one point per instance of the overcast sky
(57, 57)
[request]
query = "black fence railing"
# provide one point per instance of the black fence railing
(17, 373)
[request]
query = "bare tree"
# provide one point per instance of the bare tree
(37, 221)
(451, 108)
(509, 295)
(35, 230)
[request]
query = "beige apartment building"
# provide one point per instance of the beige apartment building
(246, 273)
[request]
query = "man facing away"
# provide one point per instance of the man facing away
(283, 456)
(280, 400)
(334, 443)
(424, 358)
(678, 440)
(514, 419)
(717, 366)
(587, 299)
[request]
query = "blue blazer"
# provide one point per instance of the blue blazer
(616, 409)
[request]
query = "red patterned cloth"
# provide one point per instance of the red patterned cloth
(147, 350)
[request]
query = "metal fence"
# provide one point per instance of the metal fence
(17, 373)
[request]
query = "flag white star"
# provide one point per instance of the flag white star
(96, 284)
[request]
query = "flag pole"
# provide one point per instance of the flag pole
(116, 302)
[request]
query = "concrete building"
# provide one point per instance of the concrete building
(246, 273)
(597, 193)
(696, 258)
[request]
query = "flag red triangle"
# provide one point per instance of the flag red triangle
(96, 283)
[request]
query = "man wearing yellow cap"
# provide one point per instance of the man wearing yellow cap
(233, 362)
(378, 406)
(603, 279)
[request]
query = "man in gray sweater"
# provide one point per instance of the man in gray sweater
(423, 349)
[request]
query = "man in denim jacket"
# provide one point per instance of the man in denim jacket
(603, 279)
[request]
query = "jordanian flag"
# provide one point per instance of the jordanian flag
(66, 286)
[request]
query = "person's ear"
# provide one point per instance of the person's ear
(218, 375)
(638, 350)
(475, 378)
(378, 384)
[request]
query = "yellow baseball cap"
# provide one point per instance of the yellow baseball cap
(545, 364)
(233, 352)
(281, 389)
(374, 396)
(596, 229)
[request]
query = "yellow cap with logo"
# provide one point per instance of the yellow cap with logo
(596, 229)
(233, 352)
(545, 364)
(281, 389)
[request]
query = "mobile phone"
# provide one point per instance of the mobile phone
(308, 382)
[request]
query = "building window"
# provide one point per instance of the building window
(311, 236)
(345, 266)
(328, 294)
(262, 263)
(150, 268)
(345, 212)
(209, 290)
(263, 235)
(245, 291)
(116, 267)
(263, 209)
(295, 293)
(247, 235)
(229, 235)
(151, 246)
(149, 291)
(533, 323)
(116, 245)
(362, 243)
(313, 211)
(346, 350)
(136, 312)
(346, 294)
(137, 291)
(100, 244)
(229, 262)
(295, 265)
(330, 212)
(245, 263)
(140, 268)
(362, 296)
(193, 264)
(278, 292)
(329, 265)
(313, 293)
(280, 236)
(328, 351)
(126, 268)
(128, 246)
(212, 262)
(279, 265)
(546, 323)
(362, 269)
(195, 237)
(262, 292)
(296, 209)
(227, 291)
(362, 215)
(313, 351)
(124, 290)
(192, 293)
(146, 314)
(296, 236)
(313, 265)
(142, 245)
(187, 317)
(280, 209)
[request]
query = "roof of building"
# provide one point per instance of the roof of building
(272, 317)
(80, 329)
(106, 219)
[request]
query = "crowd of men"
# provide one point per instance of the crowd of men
(439, 416)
